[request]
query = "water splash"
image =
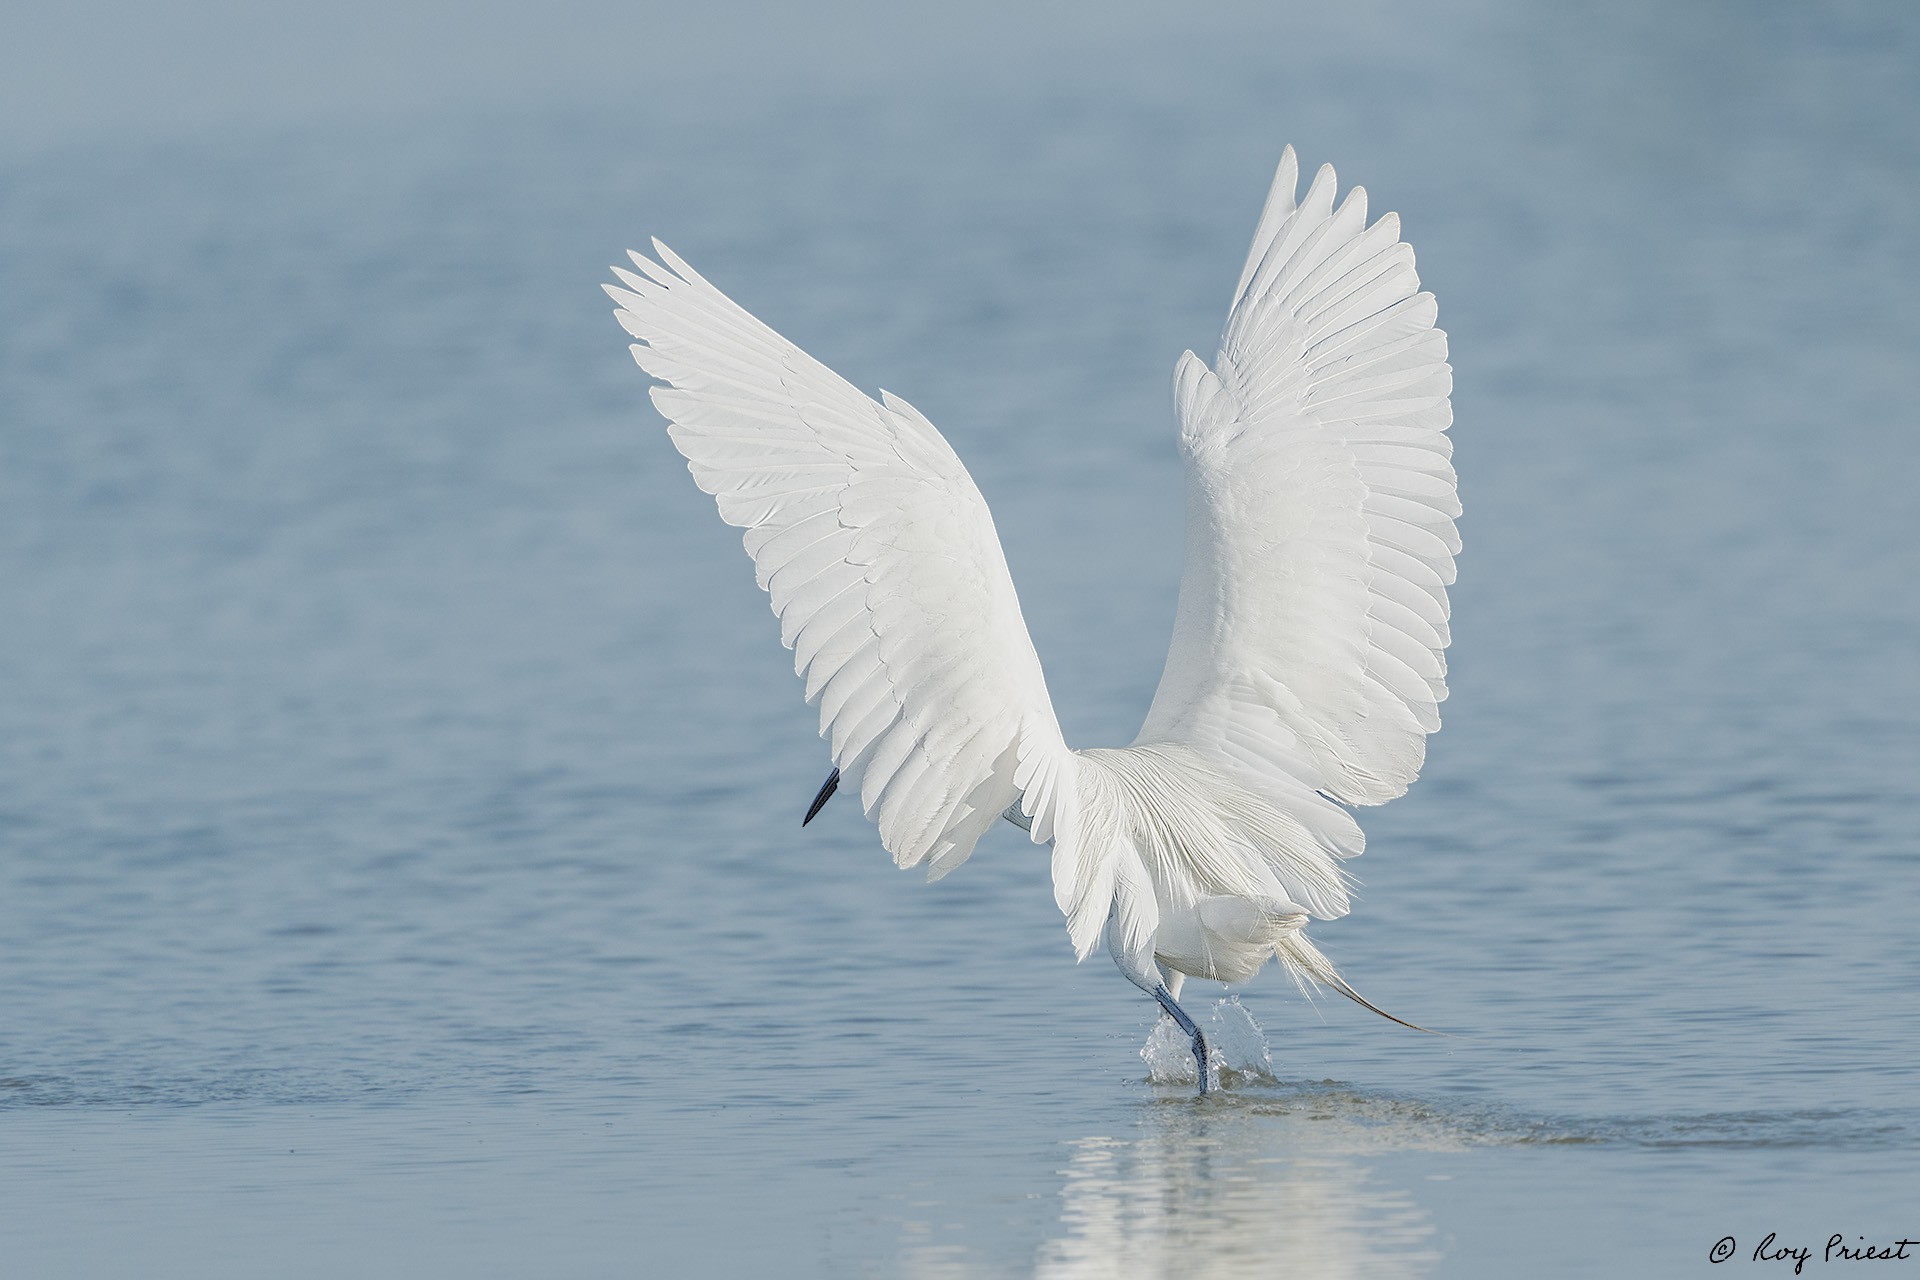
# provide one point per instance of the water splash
(1238, 1052)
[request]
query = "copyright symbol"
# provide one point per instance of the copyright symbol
(1722, 1250)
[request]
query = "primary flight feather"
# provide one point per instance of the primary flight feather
(1307, 662)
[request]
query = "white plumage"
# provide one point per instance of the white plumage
(1307, 662)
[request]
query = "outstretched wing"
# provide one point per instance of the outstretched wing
(881, 561)
(1307, 650)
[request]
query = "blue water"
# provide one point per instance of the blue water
(400, 869)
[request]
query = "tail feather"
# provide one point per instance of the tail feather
(1304, 963)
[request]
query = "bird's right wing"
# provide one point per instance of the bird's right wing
(882, 564)
(1308, 647)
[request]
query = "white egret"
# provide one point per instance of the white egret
(1306, 668)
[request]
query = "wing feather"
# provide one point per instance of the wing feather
(1309, 641)
(878, 555)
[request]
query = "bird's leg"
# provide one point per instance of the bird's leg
(1192, 1029)
(1175, 981)
(1145, 974)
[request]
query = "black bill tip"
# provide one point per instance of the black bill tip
(827, 789)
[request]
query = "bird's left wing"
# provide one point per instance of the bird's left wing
(881, 561)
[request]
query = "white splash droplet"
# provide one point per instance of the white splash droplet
(1238, 1048)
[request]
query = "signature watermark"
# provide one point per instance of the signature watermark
(1772, 1249)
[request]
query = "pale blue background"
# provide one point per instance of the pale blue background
(399, 860)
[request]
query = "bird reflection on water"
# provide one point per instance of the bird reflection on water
(1207, 1192)
(1225, 1187)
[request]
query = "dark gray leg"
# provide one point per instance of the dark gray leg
(1143, 973)
(1192, 1029)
